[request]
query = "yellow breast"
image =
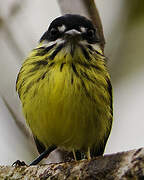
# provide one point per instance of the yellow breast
(66, 103)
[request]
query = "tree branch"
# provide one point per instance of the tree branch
(125, 165)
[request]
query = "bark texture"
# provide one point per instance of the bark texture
(121, 166)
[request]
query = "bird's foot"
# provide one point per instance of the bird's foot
(19, 163)
(88, 154)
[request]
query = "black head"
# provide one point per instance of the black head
(61, 25)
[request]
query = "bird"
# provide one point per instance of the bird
(65, 90)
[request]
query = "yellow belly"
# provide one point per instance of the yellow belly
(60, 111)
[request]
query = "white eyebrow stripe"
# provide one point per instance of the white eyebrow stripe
(83, 29)
(62, 28)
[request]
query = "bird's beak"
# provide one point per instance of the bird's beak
(72, 34)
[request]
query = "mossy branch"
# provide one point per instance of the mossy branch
(120, 166)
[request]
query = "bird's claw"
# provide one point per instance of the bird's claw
(19, 163)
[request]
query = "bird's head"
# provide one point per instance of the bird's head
(71, 31)
(71, 26)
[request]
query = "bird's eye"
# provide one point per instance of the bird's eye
(54, 31)
(91, 33)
